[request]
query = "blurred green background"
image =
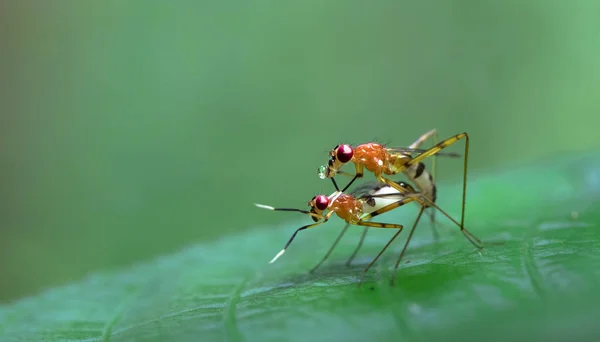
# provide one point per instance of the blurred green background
(131, 129)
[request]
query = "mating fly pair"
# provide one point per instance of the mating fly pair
(382, 196)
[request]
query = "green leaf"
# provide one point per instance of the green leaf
(538, 285)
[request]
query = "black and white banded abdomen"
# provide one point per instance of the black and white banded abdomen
(423, 180)
(375, 203)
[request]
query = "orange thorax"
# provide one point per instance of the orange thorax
(347, 208)
(373, 157)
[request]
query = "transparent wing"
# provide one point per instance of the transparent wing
(409, 151)
(365, 189)
(368, 189)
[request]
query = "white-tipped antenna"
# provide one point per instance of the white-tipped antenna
(264, 206)
(277, 256)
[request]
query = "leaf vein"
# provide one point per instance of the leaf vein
(107, 331)
(531, 270)
(232, 332)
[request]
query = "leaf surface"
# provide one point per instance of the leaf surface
(538, 284)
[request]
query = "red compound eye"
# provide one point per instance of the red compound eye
(321, 202)
(344, 153)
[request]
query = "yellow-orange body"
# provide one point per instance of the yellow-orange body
(376, 158)
(348, 208)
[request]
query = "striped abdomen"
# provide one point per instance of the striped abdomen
(423, 180)
(375, 203)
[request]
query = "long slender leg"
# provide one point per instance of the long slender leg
(377, 257)
(395, 204)
(330, 249)
(360, 243)
(378, 225)
(383, 225)
(406, 244)
(436, 235)
(380, 211)
(362, 238)
(397, 186)
(423, 138)
(425, 201)
(472, 238)
(440, 146)
(323, 173)
(362, 222)
(420, 199)
(359, 174)
(359, 168)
